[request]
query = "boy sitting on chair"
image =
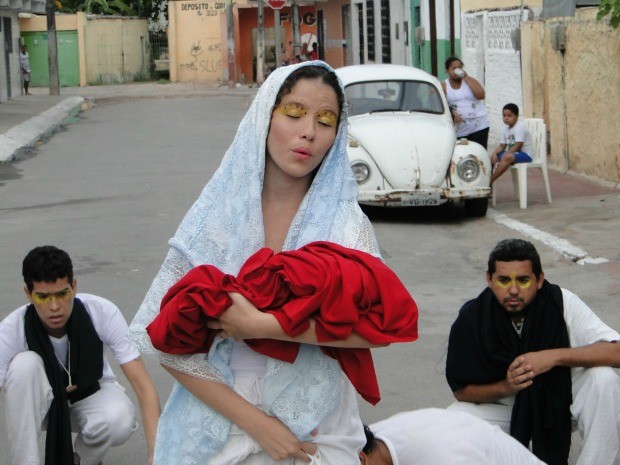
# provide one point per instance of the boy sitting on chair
(515, 144)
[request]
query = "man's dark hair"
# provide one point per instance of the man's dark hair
(451, 60)
(371, 441)
(46, 264)
(510, 250)
(512, 108)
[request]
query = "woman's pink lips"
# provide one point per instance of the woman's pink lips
(303, 152)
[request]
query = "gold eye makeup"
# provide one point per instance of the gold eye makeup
(328, 118)
(42, 299)
(296, 110)
(522, 282)
(292, 109)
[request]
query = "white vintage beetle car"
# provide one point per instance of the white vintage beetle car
(402, 144)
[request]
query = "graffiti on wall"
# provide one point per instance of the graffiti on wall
(199, 50)
(210, 63)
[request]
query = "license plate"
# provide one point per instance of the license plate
(419, 202)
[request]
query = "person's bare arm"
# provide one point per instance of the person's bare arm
(496, 152)
(526, 367)
(475, 87)
(519, 376)
(242, 320)
(150, 408)
(516, 147)
(275, 438)
(592, 355)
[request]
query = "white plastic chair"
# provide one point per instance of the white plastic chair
(538, 132)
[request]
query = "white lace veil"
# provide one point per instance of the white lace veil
(224, 226)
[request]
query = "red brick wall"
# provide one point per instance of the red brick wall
(332, 16)
(248, 20)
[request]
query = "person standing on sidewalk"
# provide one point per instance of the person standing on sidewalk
(24, 60)
(465, 97)
(55, 374)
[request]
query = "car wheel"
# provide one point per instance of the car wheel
(476, 207)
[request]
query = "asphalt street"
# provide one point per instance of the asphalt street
(111, 187)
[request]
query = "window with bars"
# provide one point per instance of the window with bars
(370, 29)
(386, 34)
(360, 30)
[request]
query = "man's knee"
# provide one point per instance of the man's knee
(496, 414)
(25, 366)
(508, 158)
(114, 426)
(123, 422)
(599, 379)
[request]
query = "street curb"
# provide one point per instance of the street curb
(29, 132)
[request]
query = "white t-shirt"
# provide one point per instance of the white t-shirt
(444, 437)
(584, 328)
(518, 133)
(24, 60)
(107, 321)
(472, 110)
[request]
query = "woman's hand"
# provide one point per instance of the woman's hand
(279, 442)
(457, 117)
(241, 320)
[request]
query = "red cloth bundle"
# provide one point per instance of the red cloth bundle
(343, 290)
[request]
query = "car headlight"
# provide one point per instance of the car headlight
(361, 171)
(468, 169)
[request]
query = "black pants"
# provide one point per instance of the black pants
(482, 137)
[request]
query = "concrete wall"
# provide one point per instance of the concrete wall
(111, 49)
(12, 73)
(115, 49)
(490, 56)
(400, 28)
(195, 40)
(577, 92)
(421, 52)
(476, 5)
(335, 52)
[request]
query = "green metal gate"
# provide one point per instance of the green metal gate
(68, 58)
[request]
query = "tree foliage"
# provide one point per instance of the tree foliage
(612, 8)
(140, 8)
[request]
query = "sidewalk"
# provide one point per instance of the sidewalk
(28, 119)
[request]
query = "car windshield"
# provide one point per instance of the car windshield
(378, 96)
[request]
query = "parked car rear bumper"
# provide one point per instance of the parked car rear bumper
(421, 197)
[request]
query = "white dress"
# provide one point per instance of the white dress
(224, 228)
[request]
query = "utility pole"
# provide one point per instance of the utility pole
(260, 44)
(232, 75)
(52, 48)
(296, 34)
(278, 33)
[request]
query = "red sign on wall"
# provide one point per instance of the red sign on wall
(276, 4)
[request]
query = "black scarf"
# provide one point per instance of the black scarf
(483, 343)
(86, 353)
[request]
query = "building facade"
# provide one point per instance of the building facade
(10, 69)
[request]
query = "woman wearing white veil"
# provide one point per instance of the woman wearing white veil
(284, 182)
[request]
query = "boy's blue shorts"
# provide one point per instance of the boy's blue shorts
(520, 157)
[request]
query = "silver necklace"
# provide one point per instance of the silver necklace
(71, 387)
